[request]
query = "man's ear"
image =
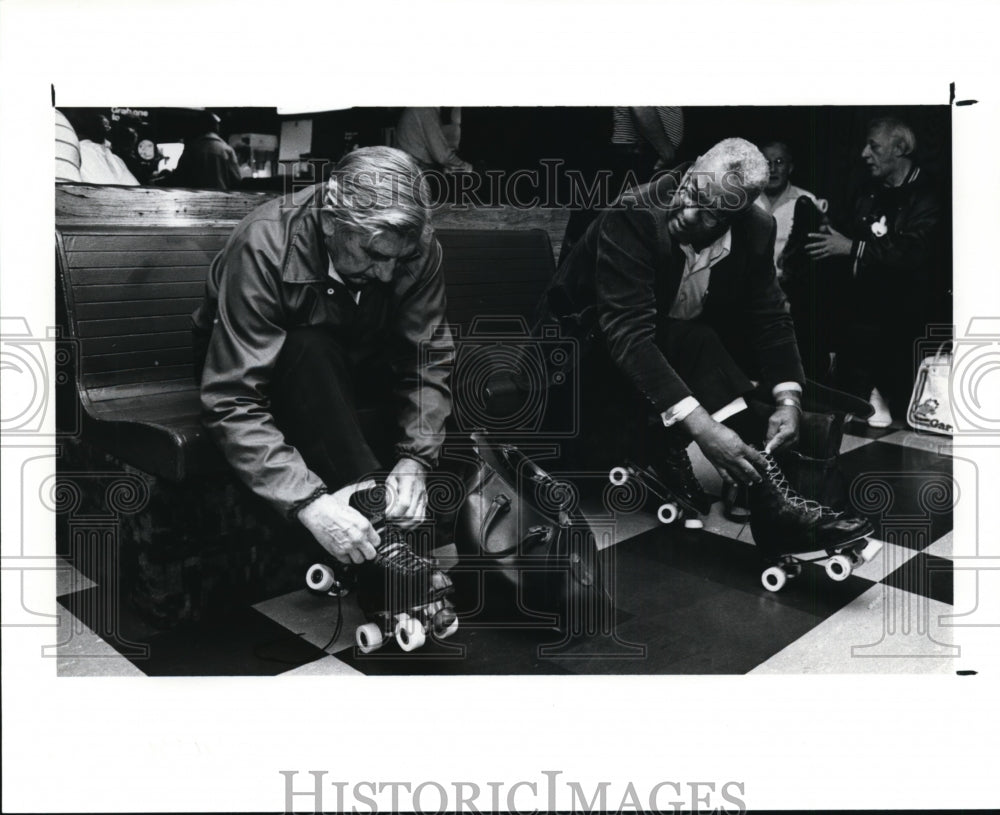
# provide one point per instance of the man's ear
(327, 222)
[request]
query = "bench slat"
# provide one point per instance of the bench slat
(148, 241)
(86, 276)
(135, 259)
(138, 291)
(133, 325)
(137, 308)
(134, 342)
(161, 358)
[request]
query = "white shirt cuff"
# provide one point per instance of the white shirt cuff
(786, 386)
(680, 411)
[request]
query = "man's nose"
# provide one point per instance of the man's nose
(866, 152)
(384, 270)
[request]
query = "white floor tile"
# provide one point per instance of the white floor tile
(885, 630)
(853, 443)
(69, 579)
(942, 547)
(82, 653)
(327, 666)
(920, 441)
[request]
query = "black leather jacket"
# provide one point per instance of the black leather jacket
(272, 275)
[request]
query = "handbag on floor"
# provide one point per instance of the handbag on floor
(520, 522)
(930, 404)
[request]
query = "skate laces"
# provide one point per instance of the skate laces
(776, 477)
(395, 553)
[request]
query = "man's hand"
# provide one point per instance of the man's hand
(407, 488)
(343, 531)
(782, 428)
(736, 461)
(828, 244)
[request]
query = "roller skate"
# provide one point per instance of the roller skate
(790, 530)
(401, 594)
(672, 482)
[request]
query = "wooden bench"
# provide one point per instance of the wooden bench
(198, 542)
(129, 293)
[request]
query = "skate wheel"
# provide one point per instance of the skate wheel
(667, 513)
(838, 568)
(618, 476)
(410, 634)
(368, 637)
(773, 578)
(694, 523)
(320, 578)
(451, 629)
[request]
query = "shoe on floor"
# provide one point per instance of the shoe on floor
(881, 417)
(736, 503)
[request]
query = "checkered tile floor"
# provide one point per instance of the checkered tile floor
(687, 602)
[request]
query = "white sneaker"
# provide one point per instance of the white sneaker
(881, 417)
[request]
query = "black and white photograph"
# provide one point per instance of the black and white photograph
(529, 451)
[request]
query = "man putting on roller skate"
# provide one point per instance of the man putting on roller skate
(316, 307)
(673, 294)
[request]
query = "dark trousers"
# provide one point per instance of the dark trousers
(336, 411)
(616, 422)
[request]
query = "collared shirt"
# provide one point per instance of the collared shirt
(697, 269)
(688, 304)
(783, 211)
(335, 275)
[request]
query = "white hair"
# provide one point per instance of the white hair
(740, 158)
(380, 188)
(898, 131)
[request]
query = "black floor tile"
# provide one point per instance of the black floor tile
(926, 575)
(688, 602)
(246, 643)
(906, 493)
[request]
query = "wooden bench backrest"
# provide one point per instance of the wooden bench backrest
(130, 291)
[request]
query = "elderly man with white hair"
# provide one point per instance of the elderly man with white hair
(673, 294)
(892, 244)
(320, 302)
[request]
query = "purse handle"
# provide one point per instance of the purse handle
(516, 459)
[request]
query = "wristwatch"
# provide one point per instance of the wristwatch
(790, 402)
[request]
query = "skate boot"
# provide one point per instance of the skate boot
(675, 471)
(403, 595)
(785, 523)
(672, 481)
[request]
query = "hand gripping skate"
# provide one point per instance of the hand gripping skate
(786, 526)
(401, 594)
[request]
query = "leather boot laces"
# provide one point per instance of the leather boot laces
(776, 477)
(396, 554)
